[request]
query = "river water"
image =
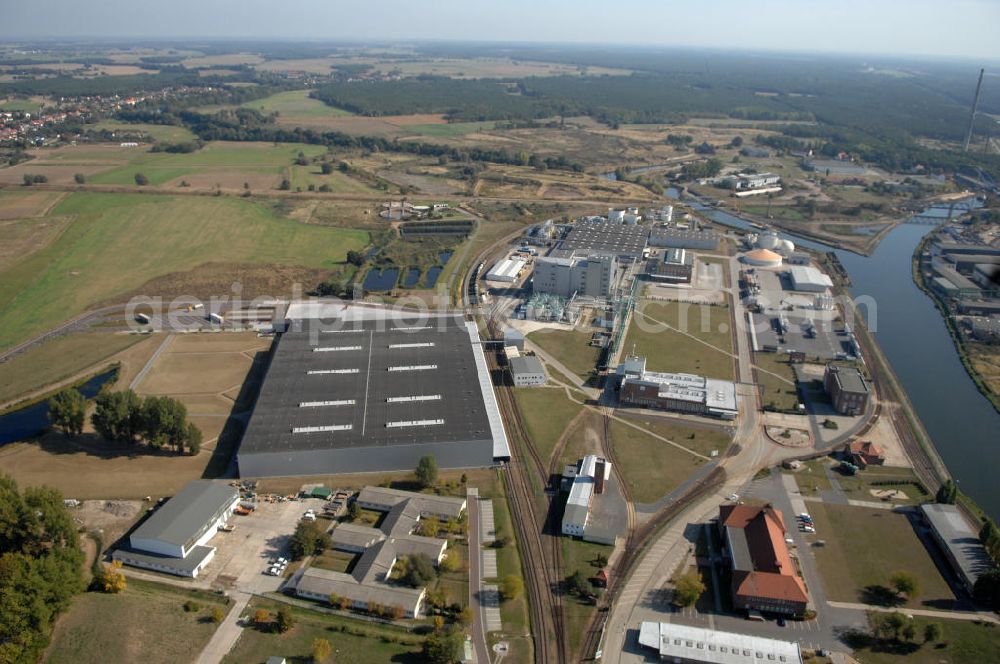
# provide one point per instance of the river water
(910, 330)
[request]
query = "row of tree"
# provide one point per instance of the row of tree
(126, 417)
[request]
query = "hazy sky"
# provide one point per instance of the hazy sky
(927, 27)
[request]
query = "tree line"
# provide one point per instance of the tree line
(158, 421)
(40, 568)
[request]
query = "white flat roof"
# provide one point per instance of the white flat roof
(697, 644)
(807, 274)
(501, 448)
(506, 269)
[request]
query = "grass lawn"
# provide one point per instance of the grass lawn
(860, 486)
(58, 359)
(651, 467)
(216, 157)
(163, 133)
(570, 347)
(671, 350)
(578, 556)
(145, 623)
(117, 242)
(966, 642)
(702, 440)
(546, 413)
(23, 105)
(812, 478)
(776, 393)
(865, 546)
(335, 561)
(352, 640)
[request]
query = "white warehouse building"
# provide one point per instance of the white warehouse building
(594, 472)
(808, 279)
(508, 270)
(173, 538)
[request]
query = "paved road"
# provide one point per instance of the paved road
(167, 340)
(476, 578)
(227, 634)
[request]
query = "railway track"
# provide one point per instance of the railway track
(541, 550)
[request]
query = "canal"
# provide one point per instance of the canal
(910, 330)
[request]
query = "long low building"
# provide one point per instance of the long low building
(960, 545)
(355, 388)
(808, 279)
(508, 270)
(675, 391)
(369, 582)
(173, 539)
(592, 475)
(682, 644)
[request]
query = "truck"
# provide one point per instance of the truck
(142, 318)
(216, 318)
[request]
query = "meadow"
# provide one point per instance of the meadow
(118, 242)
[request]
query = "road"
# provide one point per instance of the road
(476, 577)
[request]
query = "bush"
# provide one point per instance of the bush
(190, 606)
(141, 179)
(511, 587)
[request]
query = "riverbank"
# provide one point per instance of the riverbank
(961, 345)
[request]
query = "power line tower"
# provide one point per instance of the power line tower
(972, 116)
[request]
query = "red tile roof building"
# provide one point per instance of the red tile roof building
(764, 578)
(864, 454)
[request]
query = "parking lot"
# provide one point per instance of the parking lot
(243, 556)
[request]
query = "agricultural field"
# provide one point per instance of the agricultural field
(103, 628)
(117, 242)
(294, 104)
(60, 359)
(223, 164)
(650, 467)
(302, 177)
(159, 133)
(698, 339)
(864, 547)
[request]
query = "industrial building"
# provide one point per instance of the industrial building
(807, 279)
(508, 270)
(959, 543)
(356, 388)
(752, 183)
(682, 644)
(526, 371)
(675, 391)
(674, 266)
(627, 242)
(764, 577)
(592, 474)
(173, 539)
(684, 238)
(380, 549)
(591, 276)
(847, 389)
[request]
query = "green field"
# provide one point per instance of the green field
(962, 641)
(117, 242)
(697, 439)
(145, 623)
(303, 176)
(295, 103)
(672, 350)
(352, 640)
(164, 133)
(546, 413)
(865, 546)
(23, 105)
(58, 359)
(570, 347)
(215, 159)
(579, 556)
(651, 468)
(774, 392)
